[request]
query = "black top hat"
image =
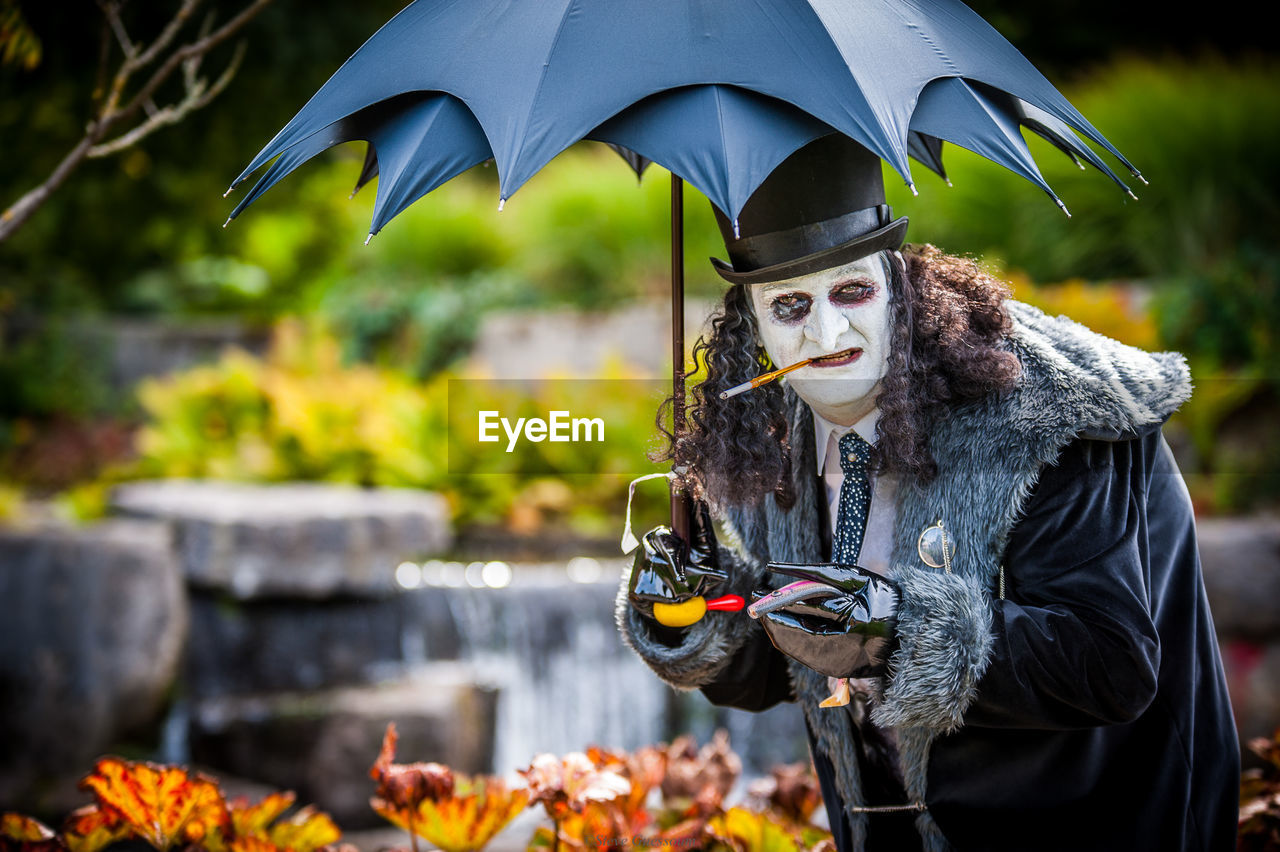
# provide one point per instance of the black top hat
(822, 207)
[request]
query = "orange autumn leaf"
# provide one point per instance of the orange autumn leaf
(464, 821)
(306, 831)
(253, 820)
(90, 828)
(254, 828)
(164, 805)
(644, 768)
(456, 813)
(24, 834)
(570, 784)
(23, 829)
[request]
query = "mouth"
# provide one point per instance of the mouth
(837, 359)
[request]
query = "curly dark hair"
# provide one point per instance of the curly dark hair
(947, 348)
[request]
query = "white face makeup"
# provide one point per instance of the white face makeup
(830, 313)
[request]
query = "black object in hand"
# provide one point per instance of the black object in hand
(668, 569)
(839, 620)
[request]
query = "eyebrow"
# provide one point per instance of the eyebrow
(784, 285)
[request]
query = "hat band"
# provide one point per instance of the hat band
(762, 250)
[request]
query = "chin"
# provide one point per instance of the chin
(837, 390)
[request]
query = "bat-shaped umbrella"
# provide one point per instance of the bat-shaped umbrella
(717, 91)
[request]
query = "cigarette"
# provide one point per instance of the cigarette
(770, 376)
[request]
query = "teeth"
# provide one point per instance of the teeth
(836, 355)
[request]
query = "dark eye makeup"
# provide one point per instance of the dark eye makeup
(793, 307)
(853, 292)
(790, 307)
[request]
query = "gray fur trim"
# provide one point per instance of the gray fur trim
(832, 727)
(944, 626)
(707, 646)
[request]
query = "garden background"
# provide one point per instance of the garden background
(142, 341)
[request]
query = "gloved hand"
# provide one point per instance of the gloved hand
(838, 620)
(670, 572)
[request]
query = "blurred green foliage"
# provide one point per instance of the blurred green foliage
(300, 413)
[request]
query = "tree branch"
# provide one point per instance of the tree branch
(196, 98)
(197, 93)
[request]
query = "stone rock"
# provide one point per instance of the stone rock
(1241, 561)
(321, 744)
(300, 540)
(279, 644)
(92, 623)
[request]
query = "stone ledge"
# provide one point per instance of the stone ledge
(301, 540)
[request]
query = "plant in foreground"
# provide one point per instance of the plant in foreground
(455, 812)
(170, 807)
(1260, 799)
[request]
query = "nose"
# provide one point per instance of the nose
(825, 325)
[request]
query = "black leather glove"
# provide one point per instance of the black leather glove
(668, 570)
(839, 620)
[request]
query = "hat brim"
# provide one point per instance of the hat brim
(890, 236)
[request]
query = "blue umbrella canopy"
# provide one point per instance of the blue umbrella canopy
(717, 91)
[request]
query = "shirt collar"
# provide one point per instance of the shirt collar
(823, 429)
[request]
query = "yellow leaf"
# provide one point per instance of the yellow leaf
(163, 805)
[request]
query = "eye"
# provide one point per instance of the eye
(789, 307)
(852, 292)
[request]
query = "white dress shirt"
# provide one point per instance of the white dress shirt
(877, 540)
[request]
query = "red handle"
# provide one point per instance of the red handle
(728, 603)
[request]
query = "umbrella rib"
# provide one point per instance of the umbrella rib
(542, 75)
(724, 148)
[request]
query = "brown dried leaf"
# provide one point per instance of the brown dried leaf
(568, 785)
(790, 791)
(691, 770)
(405, 785)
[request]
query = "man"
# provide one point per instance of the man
(980, 524)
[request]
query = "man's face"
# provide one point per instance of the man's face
(843, 312)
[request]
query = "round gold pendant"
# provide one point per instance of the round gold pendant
(935, 548)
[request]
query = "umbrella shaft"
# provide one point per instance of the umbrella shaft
(679, 501)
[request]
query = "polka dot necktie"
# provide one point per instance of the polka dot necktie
(855, 499)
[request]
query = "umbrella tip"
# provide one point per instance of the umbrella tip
(228, 222)
(1131, 195)
(948, 180)
(230, 189)
(1139, 176)
(502, 202)
(1062, 206)
(914, 191)
(736, 234)
(366, 239)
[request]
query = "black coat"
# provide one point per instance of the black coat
(1102, 721)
